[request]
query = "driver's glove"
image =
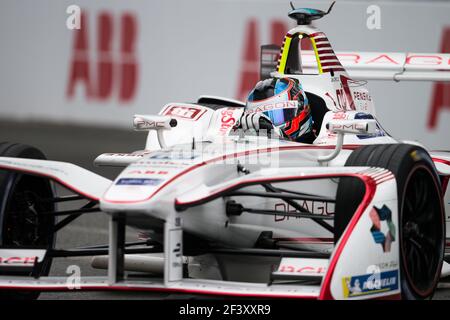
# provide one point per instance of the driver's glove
(255, 121)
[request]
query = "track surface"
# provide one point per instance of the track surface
(80, 145)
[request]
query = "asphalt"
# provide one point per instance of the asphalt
(80, 145)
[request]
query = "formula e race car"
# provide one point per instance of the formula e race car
(357, 214)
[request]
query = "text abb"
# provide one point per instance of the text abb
(109, 71)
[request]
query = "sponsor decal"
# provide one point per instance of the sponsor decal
(138, 182)
(354, 127)
(344, 96)
(291, 104)
(134, 154)
(371, 283)
(36, 167)
(153, 122)
(440, 98)
(147, 124)
(331, 98)
(148, 172)
(340, 115)
(388, 265)
(383, 59)
(12, 261)
(174, 156)
(189, 112)
(379, 215)
(362, 95)
(320, 208)
(392, 59)
(160, 164)
(227, 121)
(303, 266)
(20, 258)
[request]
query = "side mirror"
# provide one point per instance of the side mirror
(149, 122)
(158, 123)
(343, 127)
(352, 126)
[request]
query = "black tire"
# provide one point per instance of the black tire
(421, 212)
(21, 221)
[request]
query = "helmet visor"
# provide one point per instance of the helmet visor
(279, 112)
(281, 116)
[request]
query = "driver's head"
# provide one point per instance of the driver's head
(284, 102)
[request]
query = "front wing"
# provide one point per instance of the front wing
(357, 267)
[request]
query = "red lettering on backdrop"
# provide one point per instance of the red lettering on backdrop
(249, 70)
(441, 90)
(79, 71)
(249, 75)
(105, 59)
(111, 75)
(278, 30)
(129, 62)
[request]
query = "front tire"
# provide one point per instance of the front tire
(421, 212)
(22, 219)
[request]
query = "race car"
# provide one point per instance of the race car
(357, 214)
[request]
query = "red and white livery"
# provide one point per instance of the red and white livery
(357, 214)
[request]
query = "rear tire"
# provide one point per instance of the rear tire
(21, 221)
(421, 212)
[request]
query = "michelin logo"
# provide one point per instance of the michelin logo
(370, 283)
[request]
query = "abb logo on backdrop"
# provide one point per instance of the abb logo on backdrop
(106, 72)
(441, 90)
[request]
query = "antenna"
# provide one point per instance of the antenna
(331, 7)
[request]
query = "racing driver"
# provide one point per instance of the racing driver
(279, 105)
